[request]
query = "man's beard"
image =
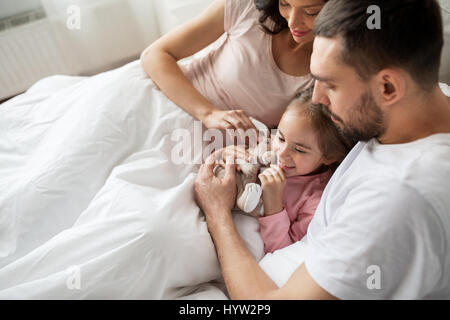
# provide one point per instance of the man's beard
(366, 120)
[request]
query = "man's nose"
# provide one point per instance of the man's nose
(319, 96)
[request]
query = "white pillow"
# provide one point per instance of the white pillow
(281, 264)
(248, 228)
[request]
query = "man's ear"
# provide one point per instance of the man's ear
(390, 86)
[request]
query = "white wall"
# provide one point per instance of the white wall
(116, 30)
(171, 13)
(111, 32)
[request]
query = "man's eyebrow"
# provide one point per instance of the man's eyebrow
(323, 79)
(299, 144)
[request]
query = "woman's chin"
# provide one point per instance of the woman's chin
(303, 40)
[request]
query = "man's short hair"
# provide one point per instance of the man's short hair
(410, 37)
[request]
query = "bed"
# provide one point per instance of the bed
(92, 207)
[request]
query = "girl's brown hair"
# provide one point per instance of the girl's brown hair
(332, 144)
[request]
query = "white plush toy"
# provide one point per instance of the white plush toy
(249, 191)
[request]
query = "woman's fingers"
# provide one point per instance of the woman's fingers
(240, 120)
(245, 120)
(239, 127)
(234, 121)
(224, 124)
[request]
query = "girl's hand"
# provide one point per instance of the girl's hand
(273, 183)
(222, 120)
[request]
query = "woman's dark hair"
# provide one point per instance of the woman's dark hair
(270, 10)
(410, 37)
(333, 145)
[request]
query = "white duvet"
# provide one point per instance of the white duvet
(91, 205)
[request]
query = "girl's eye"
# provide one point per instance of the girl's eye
(284, 4)
(280, 138)
(301, 151)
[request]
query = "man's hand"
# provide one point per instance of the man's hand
(215, 196)
(243, 276)
(273, 183)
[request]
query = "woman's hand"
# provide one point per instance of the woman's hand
(273, 183)
(222, 120)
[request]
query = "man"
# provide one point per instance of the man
(387, 207)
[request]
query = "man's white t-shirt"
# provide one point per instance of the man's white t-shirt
(382, 228)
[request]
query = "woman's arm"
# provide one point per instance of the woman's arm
(159, 61)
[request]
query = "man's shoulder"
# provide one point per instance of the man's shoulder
(393, 176)
(422, 162)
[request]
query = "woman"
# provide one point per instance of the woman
(124, 221)
(255, 71)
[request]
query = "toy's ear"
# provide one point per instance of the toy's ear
(268, 157)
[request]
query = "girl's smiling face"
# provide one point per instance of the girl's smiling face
(296, 145)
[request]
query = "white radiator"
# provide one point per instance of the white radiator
(27, 54)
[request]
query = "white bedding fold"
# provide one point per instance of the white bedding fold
(57, 150)
(91, 205)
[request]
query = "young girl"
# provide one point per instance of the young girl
(308, 148)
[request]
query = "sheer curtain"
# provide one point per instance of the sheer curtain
(112, 32)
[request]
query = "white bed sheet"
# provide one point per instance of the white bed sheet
(88, 192)
(91, 207)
